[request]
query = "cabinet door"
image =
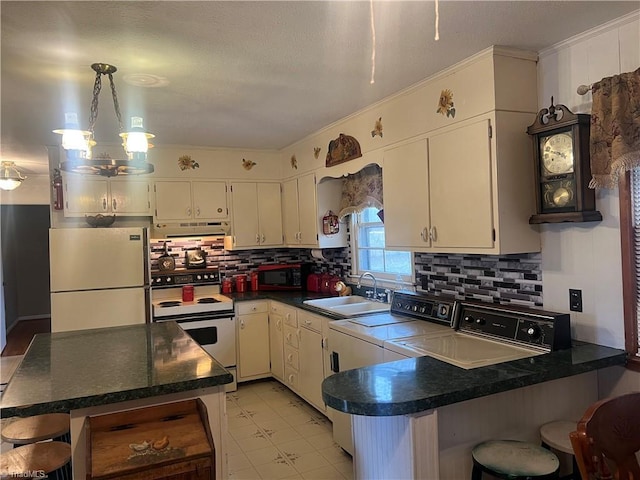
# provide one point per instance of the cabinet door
(209, 200)
(253, 345)
(276, 342)
(406, 196)
(85, 195)
(173, 200)
(308, 213)
(269, 213)
(311, 367)
(290, 222)
(460, 187)
(244, 198)
(130, 197)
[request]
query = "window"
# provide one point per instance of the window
(630, 240)
(369, 249)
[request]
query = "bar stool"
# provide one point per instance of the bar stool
(43, 458)
(512, 460)
(555, 435)
(50, 426)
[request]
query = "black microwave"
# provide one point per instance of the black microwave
(291, 276)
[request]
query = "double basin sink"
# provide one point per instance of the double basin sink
(350, 306)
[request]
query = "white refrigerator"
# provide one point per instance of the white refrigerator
(99, 277)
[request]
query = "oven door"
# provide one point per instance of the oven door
(215, 333)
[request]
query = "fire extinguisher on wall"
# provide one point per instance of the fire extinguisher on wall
(58, 201)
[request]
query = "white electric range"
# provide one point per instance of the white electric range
(488, 334)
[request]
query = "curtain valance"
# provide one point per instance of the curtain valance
(615, 128)
(361, 190)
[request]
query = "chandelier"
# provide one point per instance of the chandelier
(10, 177)
(77, 143)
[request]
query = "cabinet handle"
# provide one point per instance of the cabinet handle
(291, 378)
(308, 322)
(104, 204)
(433, 234)
(423, 234)
(289, 337)
(241, 323)
(298, 334)
(290, 358)
(300, 236)
(257, 238)
(197, 211)
(279, 324)
(114, 204)
(262, 238)
(188, 211)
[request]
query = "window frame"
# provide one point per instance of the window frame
(629, 280)
(355, 250)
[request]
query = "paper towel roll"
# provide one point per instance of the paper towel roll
(317, 253)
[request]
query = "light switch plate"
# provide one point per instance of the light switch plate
(575, 300)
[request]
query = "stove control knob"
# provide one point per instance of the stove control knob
(168, 279)
(407, 307)
(423, 309)
(206, 277)
(480, 321)
(533, 331)
(469, 319)
(198, 277)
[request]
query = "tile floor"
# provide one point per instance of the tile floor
(274, 434)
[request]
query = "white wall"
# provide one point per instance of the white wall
(587, 256)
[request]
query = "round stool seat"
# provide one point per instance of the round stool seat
(514, 459)
(35, 429)
(45, 456)
(556, 435)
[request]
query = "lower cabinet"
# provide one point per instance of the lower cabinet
(311, 358)
(253, 330)
(279, 313)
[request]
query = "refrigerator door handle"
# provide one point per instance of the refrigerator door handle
(146, 254)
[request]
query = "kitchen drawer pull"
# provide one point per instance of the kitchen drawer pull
(114, 204)
(308, 322)
(241, 323)
(104, 203)
(279, 324)
(433, 234)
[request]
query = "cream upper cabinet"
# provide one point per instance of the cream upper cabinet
(467, 188)
(257, 215)
(95, 195)
(190, 200)
(300, 212)
(405, 177)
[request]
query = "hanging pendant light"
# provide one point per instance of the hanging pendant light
(10, 177)
(78, 144)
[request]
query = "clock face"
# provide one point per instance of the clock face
(556, 154)
(166, 263)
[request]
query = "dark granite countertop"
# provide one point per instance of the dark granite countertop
(69, 370)
(418, 384)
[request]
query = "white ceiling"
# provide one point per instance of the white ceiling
(245, 74)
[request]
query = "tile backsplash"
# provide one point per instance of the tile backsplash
(492, 278)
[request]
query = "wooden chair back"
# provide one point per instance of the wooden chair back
(607, 438)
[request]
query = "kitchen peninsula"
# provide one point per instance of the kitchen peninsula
(420, 417)
(98, 371)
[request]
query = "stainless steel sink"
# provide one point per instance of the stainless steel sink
(349, 306)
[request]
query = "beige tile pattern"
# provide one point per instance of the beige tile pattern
(274, 434)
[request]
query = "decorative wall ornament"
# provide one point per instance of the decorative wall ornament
(185, 162)
(294, 162)
(342, 149)
(316, 151)
(377, 130)
(248, 164)
(445, 104)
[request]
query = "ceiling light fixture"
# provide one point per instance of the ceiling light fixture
(78, 143)
(10, 177)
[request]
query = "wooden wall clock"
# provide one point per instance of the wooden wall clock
(562, 167)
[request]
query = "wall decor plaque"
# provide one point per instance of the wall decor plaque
(342, 149)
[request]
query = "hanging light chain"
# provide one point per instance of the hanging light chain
(97, 86)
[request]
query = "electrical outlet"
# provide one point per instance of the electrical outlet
(575, 300)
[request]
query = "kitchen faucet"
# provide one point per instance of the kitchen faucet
(375, 283)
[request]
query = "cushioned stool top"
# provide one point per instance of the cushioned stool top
(515, 458)
(36, 428)
(556, 435)
(45, 456)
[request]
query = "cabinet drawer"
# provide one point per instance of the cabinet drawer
(291, 377)
(288, 313)
(291, 357)
(310, 321)
(244, 308)
(291, 336)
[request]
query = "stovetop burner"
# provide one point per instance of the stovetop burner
(171, 303)
(208, 300)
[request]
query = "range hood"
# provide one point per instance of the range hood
(189, 229)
